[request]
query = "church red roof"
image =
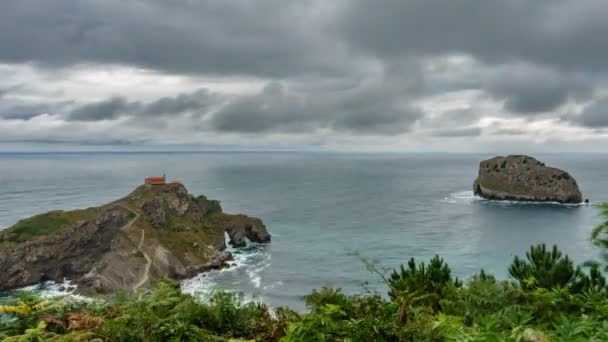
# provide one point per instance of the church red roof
(155, 180)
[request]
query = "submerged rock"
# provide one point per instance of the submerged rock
(523, 178)
(156, 231)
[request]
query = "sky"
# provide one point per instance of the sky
(378, 75)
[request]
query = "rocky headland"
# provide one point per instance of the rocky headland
(156, 231)
(523, 178)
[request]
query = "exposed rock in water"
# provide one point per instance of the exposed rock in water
(241, 227)
(523, 178)
(156, 231)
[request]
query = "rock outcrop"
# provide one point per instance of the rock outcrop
(242, 227)
(156, 231)
(523, 178)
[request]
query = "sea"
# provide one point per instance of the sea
(333, 216)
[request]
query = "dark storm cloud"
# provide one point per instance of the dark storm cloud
(373, 110)
(559, 33)
(560, 42)
(112, 108)
(357, 67)
(199, 100)
(270, 37)
(535, 90)
(24, 110)
(103, 110)
(594, 115)
(272, 109)
(280, 38)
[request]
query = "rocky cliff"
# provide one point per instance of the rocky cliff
(156, 231)
(523, 178)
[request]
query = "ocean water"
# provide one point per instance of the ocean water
(326, 211)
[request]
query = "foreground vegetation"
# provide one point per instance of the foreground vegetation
(548, 299)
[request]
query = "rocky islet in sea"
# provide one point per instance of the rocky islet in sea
(523, 178)
(158, 230)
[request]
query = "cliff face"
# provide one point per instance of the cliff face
(156, 231)
(523, 178)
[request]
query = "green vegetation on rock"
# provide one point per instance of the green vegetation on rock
(153, 232)
(43, 224)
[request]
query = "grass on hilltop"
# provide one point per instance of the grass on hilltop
(43, 224)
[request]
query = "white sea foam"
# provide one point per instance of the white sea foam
(254, 271)
(273, 285)
(52, 289)
(248, 264)
(461, 197)
(468, 197)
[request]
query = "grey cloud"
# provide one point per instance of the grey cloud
(459, 132)
(508, 131)
(267, 38)
(457, 122)
(563, 34)
(24, 110)
(529, 89)
(378, 105)
(270, 110)
(112, 108)
(370, 110)
(523, 88)
(199, 100)
(6, 90)
(280, 38)
(594, 115)
(533, 55)
(103, 110)
(83, 141)
(348, 66)
(378, 119)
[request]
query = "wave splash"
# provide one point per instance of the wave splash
(51, 289)
(244, 274)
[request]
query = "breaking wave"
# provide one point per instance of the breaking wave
(244, 274)
(49, 289)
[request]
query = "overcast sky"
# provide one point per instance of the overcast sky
(394, 75)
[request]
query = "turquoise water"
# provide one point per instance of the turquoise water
(325, 210)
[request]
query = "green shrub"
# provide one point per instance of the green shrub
(482, 295)
(433, 281)
(599, 238)
(544, 268)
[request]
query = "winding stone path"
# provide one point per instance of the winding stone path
(146, 275)
(130, 223)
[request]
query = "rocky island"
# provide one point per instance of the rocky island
(158, 230)
(523, 178)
